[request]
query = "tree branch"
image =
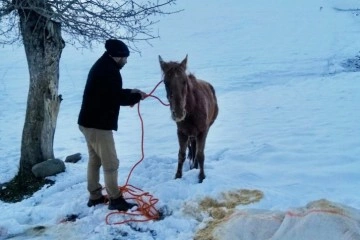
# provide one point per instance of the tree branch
(87, 21)
(6, 8)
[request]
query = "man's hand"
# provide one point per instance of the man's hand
(143, 95)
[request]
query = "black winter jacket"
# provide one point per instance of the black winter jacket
(103, 96)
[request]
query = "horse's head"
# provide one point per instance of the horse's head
(176, 85)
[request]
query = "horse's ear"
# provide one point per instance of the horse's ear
(162, 63)
(184, 62)
(160, 59)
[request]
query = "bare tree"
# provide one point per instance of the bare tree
(39, 25)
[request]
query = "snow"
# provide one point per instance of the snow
(288, 124)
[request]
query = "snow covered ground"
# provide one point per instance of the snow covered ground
(288, 125)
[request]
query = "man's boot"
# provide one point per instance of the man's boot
(120, 204)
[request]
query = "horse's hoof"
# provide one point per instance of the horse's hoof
(178, 176)
(194, 164)
(201, 179)
(191, 164)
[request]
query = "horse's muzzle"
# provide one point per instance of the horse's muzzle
(178, 117)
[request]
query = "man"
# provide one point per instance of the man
(103, 96)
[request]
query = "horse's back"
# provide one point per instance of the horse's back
(210, 99)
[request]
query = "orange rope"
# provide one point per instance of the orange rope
(146, 210)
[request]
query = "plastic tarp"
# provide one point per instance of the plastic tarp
(318, 220)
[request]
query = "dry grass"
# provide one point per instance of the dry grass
(220, 210)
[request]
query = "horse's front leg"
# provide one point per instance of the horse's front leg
(200, 156)
(182, 138)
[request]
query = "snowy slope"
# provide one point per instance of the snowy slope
(288, 125)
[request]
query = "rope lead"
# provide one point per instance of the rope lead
(146, 210)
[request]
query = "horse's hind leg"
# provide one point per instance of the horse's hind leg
(200, 156)
(182, 153)
(192, 153)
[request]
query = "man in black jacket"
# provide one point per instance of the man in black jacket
(103, 96)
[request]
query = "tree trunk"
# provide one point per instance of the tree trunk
(43, 46)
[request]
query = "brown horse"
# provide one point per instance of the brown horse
(194, 108)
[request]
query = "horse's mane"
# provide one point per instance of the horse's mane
(191, 76)
(174, 67)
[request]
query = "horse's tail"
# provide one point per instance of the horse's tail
(192, 149)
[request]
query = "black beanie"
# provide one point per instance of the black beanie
(116, 48)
